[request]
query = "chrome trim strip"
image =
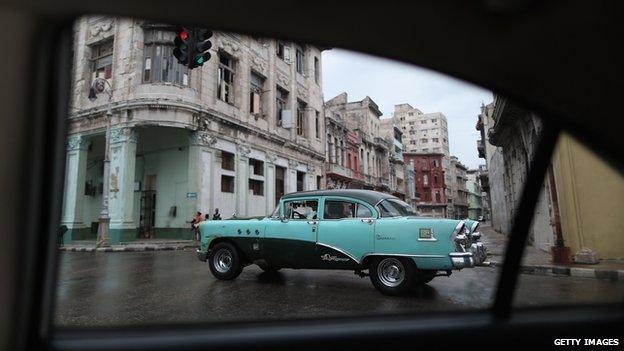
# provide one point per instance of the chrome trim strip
(431, 239)
(460, 254)
(474, 226)
(458, 227)
(341, 251)
(403, 255)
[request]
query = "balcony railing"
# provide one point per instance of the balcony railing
(481, 148)
(334, 168)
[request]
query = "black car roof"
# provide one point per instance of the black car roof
(369, 196)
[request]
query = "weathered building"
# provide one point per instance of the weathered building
(514, 132)
(475, 195)
(372, 158)
(459, 192)
(234, 134)
(430, 183)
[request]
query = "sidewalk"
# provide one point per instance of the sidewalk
(138, 245)
(536, 261)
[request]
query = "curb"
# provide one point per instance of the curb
(563, 271)
(128, 248)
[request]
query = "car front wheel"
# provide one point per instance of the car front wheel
(225, 261)
(393, 275)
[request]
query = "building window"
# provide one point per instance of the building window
(300, 179)
(281, 102)
(301, 127)
(300, 63)
(225, 80)
(256, 87)
(410, 114)
(283, 51)
(227, 161)
(317, 124)
(227, 184)
(319, 180)
(411, 123)
(159, 64)
(424, 121)
(317, 71)
(434, 120)
(424, 140)
(256, 187)
(102, 60)
(257, 167)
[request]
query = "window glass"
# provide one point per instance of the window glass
(335, 209)
(253, 129)
(306, 209)
(363, 211)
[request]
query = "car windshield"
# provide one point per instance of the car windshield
(395, 208)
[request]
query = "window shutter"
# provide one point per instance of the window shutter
(222, 90)
(287, 54)
(287, 119)
(256, 104)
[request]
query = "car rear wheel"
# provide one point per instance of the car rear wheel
(392, 275)
(225, 261)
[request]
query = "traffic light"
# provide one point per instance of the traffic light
(183, 45)
(201, 47)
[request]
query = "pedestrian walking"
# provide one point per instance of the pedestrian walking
(60, 233)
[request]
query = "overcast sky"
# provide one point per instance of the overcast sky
(389, 83)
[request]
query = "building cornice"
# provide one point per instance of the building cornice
(197, 111)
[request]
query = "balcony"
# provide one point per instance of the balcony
(338, 170)
(479, 125)
(481, 148)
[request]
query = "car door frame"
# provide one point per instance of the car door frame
(336, 250)
(288, 252)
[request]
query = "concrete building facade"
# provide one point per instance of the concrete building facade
(234, 134)
(430, 183)
(362, 118)
(459, 191)
(475, 195)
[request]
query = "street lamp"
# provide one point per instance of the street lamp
(98, 86)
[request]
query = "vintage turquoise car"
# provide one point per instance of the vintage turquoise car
(371, 233)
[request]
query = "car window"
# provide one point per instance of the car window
(395, 208)
(301, 209)
(337, 209)
(363, 212)
(259, 118)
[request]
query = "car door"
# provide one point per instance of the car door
(290, 240)
(345, 233)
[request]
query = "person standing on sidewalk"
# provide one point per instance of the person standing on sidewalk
(216, 216)
(195, 224)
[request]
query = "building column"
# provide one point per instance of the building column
(75, 172)
(242, 179)
(123, 145)
(269, 180)
(291, 177)
(310, 178)
(200, 173)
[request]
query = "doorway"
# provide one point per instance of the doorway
(148, 209)
(280, 174)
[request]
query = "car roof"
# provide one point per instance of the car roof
(369, 196)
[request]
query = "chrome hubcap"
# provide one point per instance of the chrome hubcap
(391, 272)
(222, 261)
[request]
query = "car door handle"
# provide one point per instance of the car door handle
(311, 222)
(367, 220)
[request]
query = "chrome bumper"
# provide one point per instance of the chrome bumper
(479, 252)
(202, 256)
(462, 259)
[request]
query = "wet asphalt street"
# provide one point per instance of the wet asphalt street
(103, 289)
